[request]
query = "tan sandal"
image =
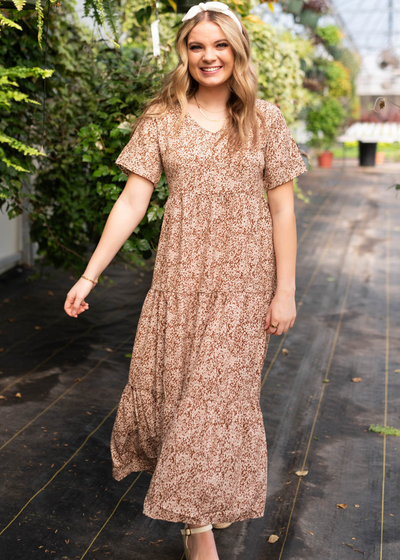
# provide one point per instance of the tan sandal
(186, 532)
(221, 525)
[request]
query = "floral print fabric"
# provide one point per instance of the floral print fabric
(190, 411)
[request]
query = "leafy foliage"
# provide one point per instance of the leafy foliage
(330, 34)
(331, 81)
(278, 61)
(324, 121)
(93, 96)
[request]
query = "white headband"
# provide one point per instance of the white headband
(212, 7)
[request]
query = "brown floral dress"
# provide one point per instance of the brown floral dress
(190, 412)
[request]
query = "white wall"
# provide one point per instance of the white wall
(10, 242)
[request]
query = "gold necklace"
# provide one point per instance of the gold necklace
(212, 120)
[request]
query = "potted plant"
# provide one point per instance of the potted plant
(324, 122)
(311, 12)
(293, 6)
(309, 18)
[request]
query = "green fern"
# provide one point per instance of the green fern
(104, 12)
(19, 4)
(9, 93)
(5, 22)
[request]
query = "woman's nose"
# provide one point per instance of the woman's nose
(209, 55)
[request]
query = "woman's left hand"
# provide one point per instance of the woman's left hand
(281, 312)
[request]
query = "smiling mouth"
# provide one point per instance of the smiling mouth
(210, 69)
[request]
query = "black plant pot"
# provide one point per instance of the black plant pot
(366, 153)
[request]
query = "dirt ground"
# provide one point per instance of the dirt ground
(335, 373)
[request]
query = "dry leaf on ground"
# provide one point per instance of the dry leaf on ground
(356, 379)
(18, 395)
(310, 533)
(273, 538)
(342, 506)
(301, 473)
(285, 351)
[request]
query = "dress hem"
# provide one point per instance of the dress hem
(219, 517)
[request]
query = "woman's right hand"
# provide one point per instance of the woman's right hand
(75, 303)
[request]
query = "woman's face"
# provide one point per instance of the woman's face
(210, 55)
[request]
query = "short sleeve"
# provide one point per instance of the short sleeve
(142, 153)
(283, 161)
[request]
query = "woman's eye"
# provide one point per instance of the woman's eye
(194, 47)
(223, 45)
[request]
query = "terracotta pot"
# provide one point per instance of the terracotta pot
(379, 158)
(325, 159)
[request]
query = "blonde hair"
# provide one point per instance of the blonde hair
(179, 85)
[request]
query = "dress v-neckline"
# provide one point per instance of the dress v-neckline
(202, 127)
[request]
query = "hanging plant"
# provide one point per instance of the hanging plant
(104, 12)
(317, 6)
(292, 6)
(308, 18)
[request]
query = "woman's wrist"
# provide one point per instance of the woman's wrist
(287, 290)
(91, 276)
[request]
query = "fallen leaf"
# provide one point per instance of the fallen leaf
(285, 351)
(356, 379)
(273, 538)
(78, 379)
(397, 371)
(356, 505)
(391, 514)
(301, 473)
(2, 397)
(325, 381)
(288, 482)
(108, 349)
(310, 533)
(352, 547)
(384, 430)
(342, 506)
(18, 395)
(38, 328)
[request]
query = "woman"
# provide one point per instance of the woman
(224, 281)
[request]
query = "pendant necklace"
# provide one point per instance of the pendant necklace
(212, 120)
